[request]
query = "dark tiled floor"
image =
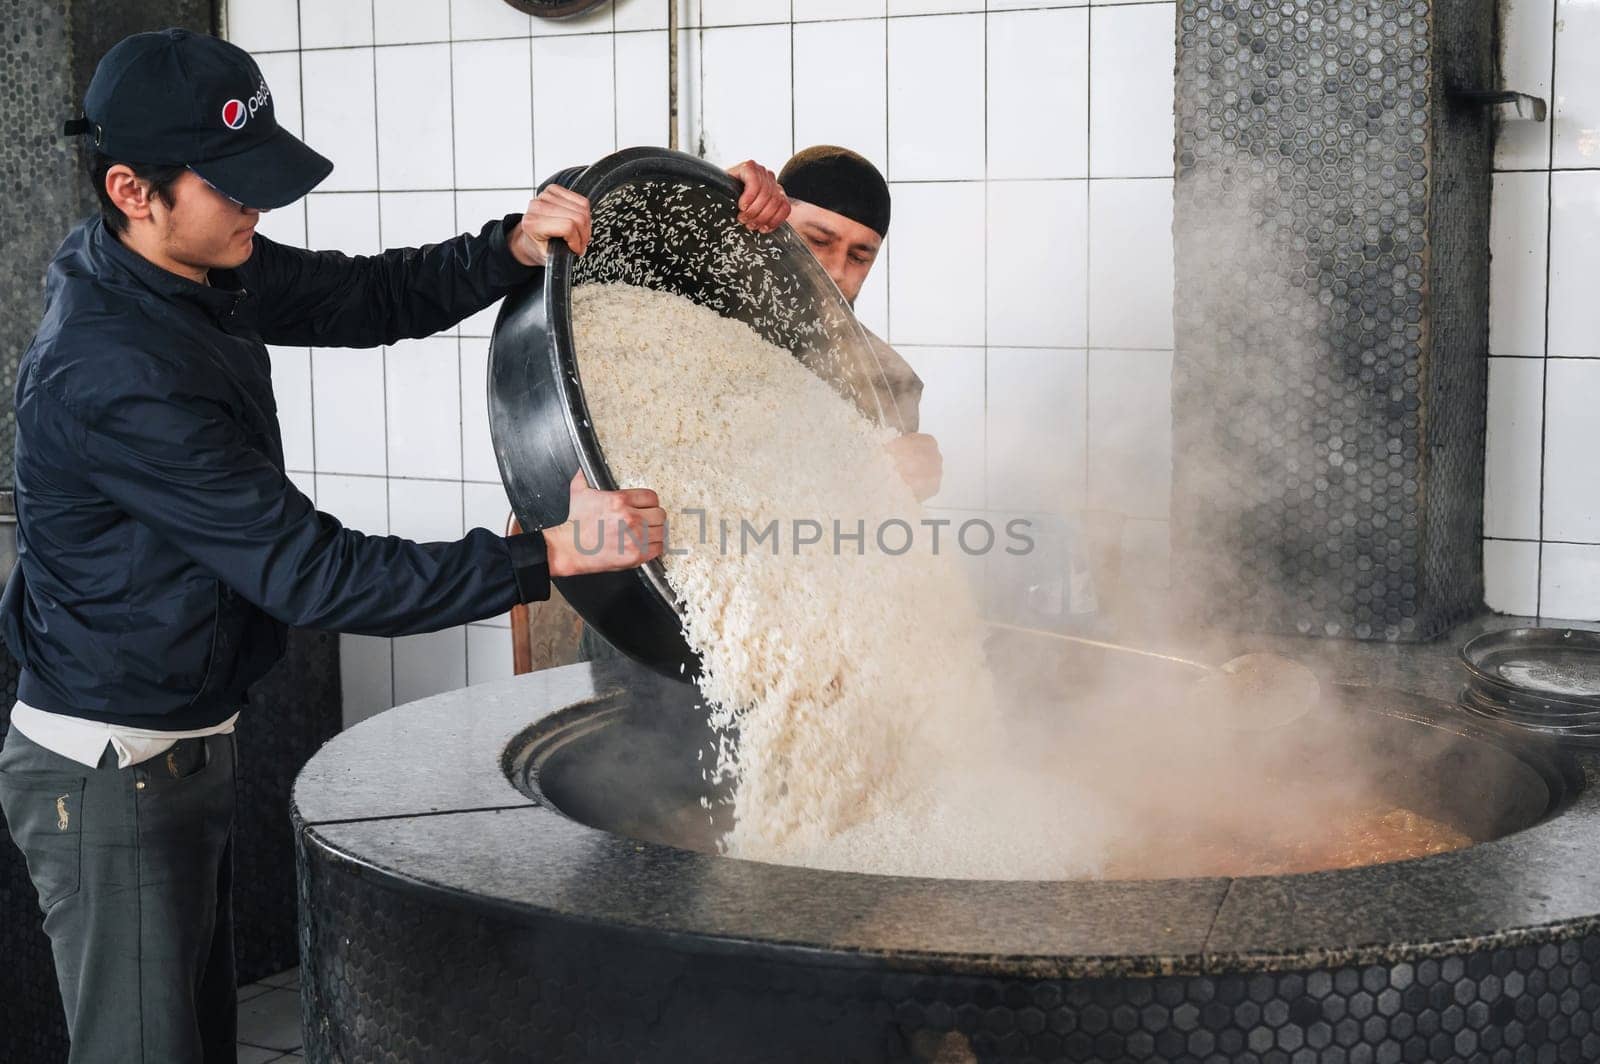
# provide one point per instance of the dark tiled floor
(269, 1020)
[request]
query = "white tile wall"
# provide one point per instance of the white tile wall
(936, 100)
(1512, 463)
(1130, 263)
(578, 125)
(1575, 261)
(1541, 494)
(291, 387)
(412, 111)
(1131, 91)
(340, 107)
(1036, 65)
(747, 109)
(1571, 435)
(421, 382)
(836, 66)
(1025, 232)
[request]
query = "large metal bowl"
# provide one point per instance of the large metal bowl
(666, 221)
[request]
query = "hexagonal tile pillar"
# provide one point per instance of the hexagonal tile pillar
(1332, 213)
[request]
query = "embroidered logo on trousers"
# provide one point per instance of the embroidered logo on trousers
(63, 818)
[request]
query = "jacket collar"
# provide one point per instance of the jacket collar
(218, 302)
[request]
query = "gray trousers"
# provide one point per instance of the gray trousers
(134, 871)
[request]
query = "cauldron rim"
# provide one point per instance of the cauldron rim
(450, 833)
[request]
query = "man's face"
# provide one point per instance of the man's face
(204, 229)
(846, 248)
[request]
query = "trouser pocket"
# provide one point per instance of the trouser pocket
(44, 813)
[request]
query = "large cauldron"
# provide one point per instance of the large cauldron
(520, 871)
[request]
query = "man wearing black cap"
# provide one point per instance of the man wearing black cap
(841, 208)
(161, 549)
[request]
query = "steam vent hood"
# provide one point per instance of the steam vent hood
(1332, 257)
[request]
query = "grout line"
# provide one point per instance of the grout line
(455, 221)
(383, 352)
(1088, 255)
(985, 300)
(305, 241)
(533, 114)
(1544, 381)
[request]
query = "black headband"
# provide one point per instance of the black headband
(838, 180)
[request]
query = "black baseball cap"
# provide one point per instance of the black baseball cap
(177, 98)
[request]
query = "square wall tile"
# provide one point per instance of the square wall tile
(1571, 429)
(1035, 414)
(817, 10)
(488, 654)
(427, 511)
(1130, 432)
(471, 19)
(746, 109)
(424, 412)
(291, 388)
(493, 114)
(577, 125)
(839, 88)
(1526, 64)
(340, 115)
(642, 106)
(1512, 449)
(938, 254)
(343, 221)
(410, 21)
(348, 407)
(1038, 258)
(952, 412)
(429, 664)
(1019, 5)
(1575, 262)
(1570, 582)
(936, 101)
(1132, 91)
(1038, 94)
(486, 506)
(415, 219)
(264, 25)
(742, 12)
(414, 124)
(335, 23)
(477, 447)
(629, 15)
(361, 503)
(1518, 231)
(1511, 577)
(1130, 264)
(282, 71)
(1577, 85)
(366, 676)
(286, 225)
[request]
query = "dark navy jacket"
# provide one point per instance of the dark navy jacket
(161, 549)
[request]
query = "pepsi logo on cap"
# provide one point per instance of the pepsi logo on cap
(234, 114)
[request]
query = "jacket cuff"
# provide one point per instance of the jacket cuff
(529, 566)
(505, 271)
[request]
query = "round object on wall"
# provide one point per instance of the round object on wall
(554, 8)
